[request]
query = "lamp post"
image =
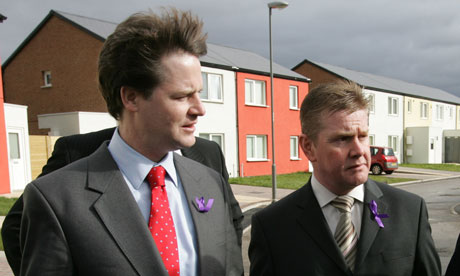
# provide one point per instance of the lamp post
(273, 5)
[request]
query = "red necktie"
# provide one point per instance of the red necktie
(161, 223)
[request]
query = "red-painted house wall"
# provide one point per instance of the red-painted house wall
(4, 169)
(255, 120)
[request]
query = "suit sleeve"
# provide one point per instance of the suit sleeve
(237, 214)
(12, 222)
(39, 226)
(259, 251)
(426, 260)
(10, 236)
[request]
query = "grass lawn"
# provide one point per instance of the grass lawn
(296, 180)
(5, 206)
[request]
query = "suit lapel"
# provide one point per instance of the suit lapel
(196, 186)
(121, 215)
(369, 227)
(320, 232)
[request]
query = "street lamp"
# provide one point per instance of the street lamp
(273, 5)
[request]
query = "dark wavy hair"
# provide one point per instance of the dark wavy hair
(131, 55)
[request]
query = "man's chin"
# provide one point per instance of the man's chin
(187, 142)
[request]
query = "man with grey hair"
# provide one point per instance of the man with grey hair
(341, 222)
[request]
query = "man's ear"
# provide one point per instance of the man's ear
(308, 147)
(129, 98)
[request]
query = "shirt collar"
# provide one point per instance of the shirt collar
(136, 166)
(324, 196)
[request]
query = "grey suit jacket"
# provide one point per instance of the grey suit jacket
(291, 237)
(93, 226)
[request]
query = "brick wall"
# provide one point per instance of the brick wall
(316, 74)
(71, 55)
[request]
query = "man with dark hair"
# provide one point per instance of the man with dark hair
(134, 207)
(341, 222)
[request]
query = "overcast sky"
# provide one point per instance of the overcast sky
(412, 40)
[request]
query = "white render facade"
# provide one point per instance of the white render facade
(218, 124)
(386, 120)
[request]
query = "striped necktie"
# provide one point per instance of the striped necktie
(345, 233)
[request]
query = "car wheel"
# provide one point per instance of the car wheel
(376, 169)
(389, 172)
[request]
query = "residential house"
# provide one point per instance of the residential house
(54, 73)
(417, 121)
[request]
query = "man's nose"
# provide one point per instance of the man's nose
(197, 108)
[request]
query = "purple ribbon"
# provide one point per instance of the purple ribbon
(202, 207)
(378, 217)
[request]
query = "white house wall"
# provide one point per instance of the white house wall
(69, 123)
(16, 121)
(220, 118)
(382, 125)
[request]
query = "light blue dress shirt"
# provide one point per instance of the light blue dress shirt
(134, 168)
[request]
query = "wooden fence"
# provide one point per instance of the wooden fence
(41, 148)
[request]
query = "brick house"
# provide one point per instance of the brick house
(55, 71)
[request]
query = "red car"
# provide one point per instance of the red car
(383, 159)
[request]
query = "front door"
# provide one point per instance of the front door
(18, 175)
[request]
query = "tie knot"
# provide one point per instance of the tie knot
(156, 176)
(343, 203)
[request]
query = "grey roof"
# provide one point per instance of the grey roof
(385, 84)
(218, 56)
(242, 60)
(98, 27)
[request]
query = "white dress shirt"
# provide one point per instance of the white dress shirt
(134, 168)
(332, 214)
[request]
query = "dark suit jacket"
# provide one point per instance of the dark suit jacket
(92, 225)
(74, 147)
(453, 269)
(291, 237)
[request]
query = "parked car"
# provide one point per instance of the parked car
(383, 159)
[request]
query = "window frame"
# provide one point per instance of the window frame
(47, 80)
(439, 112)
(422, 113)
(263, 93)
(393, 142)
(296, 147)
(209, 136)
(206, 85)
(264, 154)
(295, 98)
(371, 100)
(393, 106)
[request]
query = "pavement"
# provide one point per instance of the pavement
(253, 198)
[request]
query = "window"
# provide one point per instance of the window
(392, 106)
(371, 140)
(255, 92)
(293, 97)
(451, 112)
(393, 142)
(424, 110)
(13, 139)
(439, 112)
(212, 87)
(409, 106)
(256, 147)
(371, 99)
(46, 78)
(216, 137)
(294, 147)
